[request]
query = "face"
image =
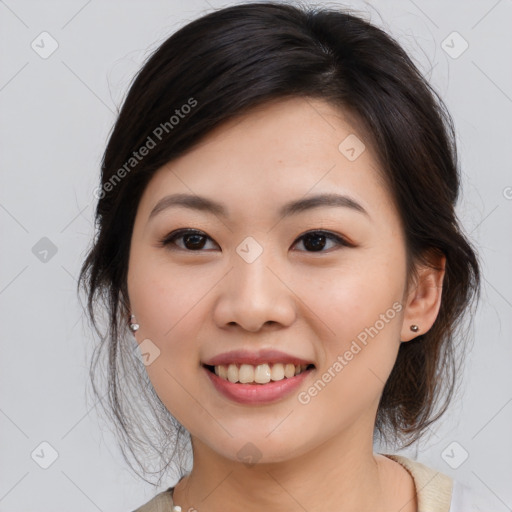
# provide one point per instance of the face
(252, 283)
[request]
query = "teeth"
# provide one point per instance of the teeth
(289, 370)
(223, 371)
(260, 374)
(246, 373)
(277, 372)
(233, 373)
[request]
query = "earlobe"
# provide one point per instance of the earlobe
(134, 326)
(424, 300)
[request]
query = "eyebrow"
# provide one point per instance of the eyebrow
(204, 204)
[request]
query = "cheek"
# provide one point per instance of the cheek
(355, 361)
(164, 297)
(170, 307)
(349, 301)
(361, 312)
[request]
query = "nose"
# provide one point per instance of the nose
(254, 295)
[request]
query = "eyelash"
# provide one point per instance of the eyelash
(180, 233)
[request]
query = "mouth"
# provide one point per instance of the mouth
(258, 374)
(257, 377)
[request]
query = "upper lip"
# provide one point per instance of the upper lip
(254, 358)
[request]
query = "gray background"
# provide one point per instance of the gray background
(56, 115)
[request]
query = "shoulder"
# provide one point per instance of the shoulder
(162, 502)
(438, 491)
(433, 488)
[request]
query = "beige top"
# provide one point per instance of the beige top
(433, 489)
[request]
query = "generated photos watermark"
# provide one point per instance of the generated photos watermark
(361, 340)
(156, 136)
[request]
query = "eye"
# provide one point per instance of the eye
(315, 241)
(195, 240)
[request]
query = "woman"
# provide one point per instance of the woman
(276, 226)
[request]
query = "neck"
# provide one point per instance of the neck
(339, 475)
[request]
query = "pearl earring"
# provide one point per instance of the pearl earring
(414, 328)
(134, 326)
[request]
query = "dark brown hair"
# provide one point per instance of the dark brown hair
(222, 65)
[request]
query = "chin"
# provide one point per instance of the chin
(258, 449)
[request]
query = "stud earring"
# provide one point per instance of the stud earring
(134, 326)
(414, 328)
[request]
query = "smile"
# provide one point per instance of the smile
(257, 374)
(254, 385)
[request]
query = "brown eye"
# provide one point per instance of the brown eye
(192, 240)
(315, 241)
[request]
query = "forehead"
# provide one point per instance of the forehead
(281, 150)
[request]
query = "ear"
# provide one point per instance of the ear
(424, 298)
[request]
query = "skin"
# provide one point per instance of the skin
(194, 305)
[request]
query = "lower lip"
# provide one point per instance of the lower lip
(257, 393)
